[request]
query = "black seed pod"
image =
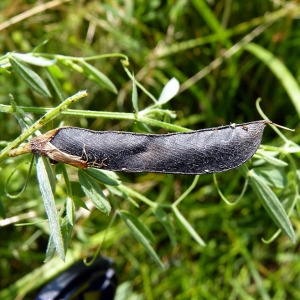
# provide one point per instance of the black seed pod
(197, 152)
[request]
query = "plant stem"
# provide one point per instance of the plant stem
(50, 115)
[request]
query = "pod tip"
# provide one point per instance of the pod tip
(280, 126)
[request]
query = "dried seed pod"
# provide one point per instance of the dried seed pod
(197, 152)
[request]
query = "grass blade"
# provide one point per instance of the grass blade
(282, 73)
(210, 18)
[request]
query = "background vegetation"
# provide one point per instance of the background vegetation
(225, 54)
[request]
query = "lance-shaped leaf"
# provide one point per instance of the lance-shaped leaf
(169, 91)
(187, 226)
(272, 204)
(34, 60)
(108, 178)
(100, 78)
(49, 203)
(93, 192)
(31, 78)
(141, 233)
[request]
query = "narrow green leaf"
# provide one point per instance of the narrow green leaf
(272, 176)
(2, 210)
(49, 203)
(59, 169)
(34, 60)
(51, 175)
(93, 192)
(187, 226)
(107, 177)
(50, 251)
(70, 210)
(19, 114)
(4, 64)
(100, 78)
(141, 233)
(292, 148)
(32, 79)
(282, 73)
(134, 96)
(271, 204)
(253, 269)
(169, 91)
(67, 230)
(78, 201)
(54, 81)
(268, 156)
(140, 226)
(210, 18)
(166, 222)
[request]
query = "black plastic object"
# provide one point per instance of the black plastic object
(197, 152)
(82, 282)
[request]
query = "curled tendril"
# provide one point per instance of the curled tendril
(222, 195)
(14, 196)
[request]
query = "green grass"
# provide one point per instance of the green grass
(171, 236)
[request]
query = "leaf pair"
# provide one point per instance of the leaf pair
(35, 82)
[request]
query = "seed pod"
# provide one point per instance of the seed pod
(197, 152)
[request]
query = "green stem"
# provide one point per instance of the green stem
(49, 116)
(99, 114)
(187, 191)
(137, 195)
(139, 85)
(73, 58)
